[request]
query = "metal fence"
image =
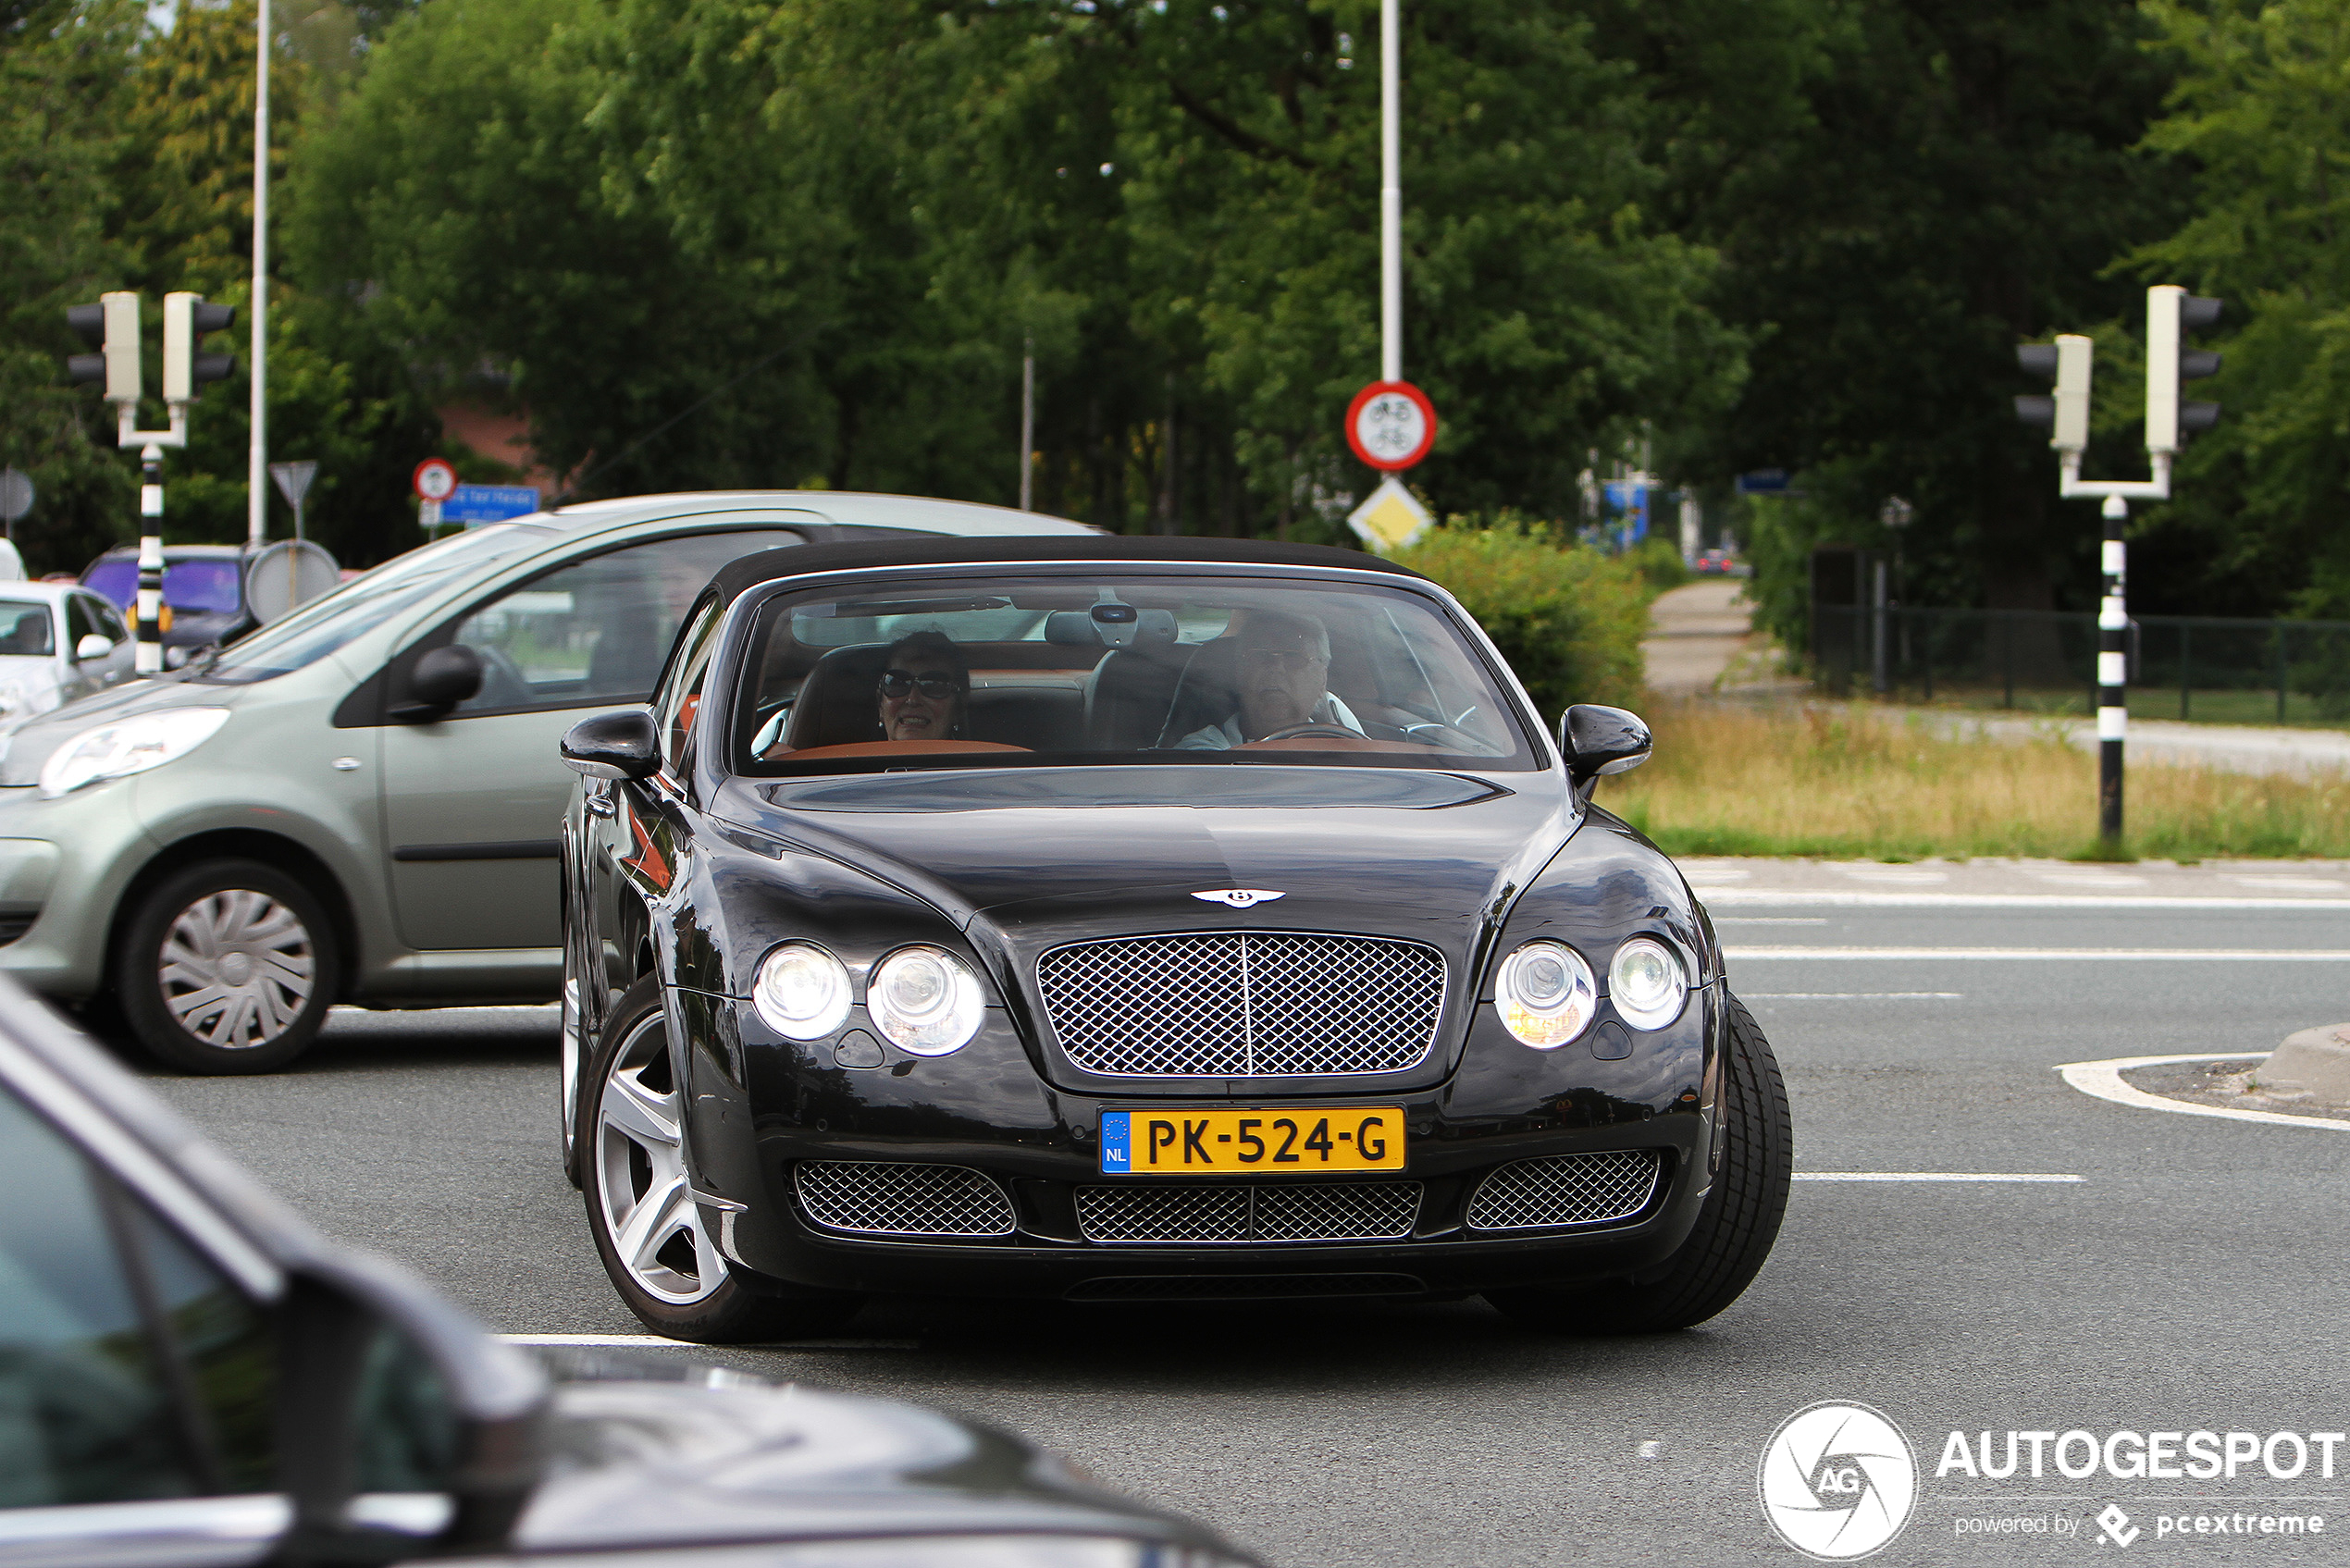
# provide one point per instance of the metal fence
(2210, 667)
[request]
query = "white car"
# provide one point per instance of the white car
(57, 641)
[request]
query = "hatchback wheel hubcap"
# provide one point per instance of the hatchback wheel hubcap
(648, 1212)
(237, 969)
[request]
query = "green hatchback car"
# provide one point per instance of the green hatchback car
(361, 802)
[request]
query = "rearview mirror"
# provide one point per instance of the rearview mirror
(1598, 741)
(441, 678)
(626, 745)
(91, 646)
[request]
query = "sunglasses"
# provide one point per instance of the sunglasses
(1287, 658)
(898, 683)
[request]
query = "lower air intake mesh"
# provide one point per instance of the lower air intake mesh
(880, 1198)
(1565, 1190)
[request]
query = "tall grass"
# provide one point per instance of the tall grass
(1848, 783)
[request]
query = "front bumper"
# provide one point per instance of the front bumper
(762, 1106)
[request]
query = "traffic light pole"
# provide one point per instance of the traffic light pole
(148, 658)
(2171, 312)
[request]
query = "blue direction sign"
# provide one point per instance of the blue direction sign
(476, 504)
(1763, 482)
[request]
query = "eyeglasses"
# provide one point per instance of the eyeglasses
(900, 682)
(1287, 658)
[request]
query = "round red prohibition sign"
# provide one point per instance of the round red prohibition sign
(435, 479)
(1390, 425)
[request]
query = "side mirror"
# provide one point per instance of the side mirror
(91, 646)
(1597, 741)
(626, 745)
(408, 1431)
(440, 679)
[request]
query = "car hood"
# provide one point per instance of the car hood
(1047, 855)
(707, 1457)
(23, 749)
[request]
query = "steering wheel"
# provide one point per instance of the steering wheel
(1312, 727)
(503, 681)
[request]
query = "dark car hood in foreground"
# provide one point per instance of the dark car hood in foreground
(708, 1457)
(1054, 855)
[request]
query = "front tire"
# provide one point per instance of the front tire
(647, 1229)
(1734, 1230)
(225, 967)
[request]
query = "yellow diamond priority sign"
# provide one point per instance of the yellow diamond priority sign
(1392, 518)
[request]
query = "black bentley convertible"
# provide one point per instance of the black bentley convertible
(1122, 920)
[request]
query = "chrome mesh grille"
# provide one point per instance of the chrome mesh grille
(1367, 1211)
(895, 1199)
(1565, 1190)
(1242, 1004)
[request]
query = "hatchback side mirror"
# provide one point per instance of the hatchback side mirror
(441, 678)
(1598, 741)
(626, 745)
(406, 1430)
(91, 646)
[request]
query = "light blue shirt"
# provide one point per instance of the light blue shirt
(1224, 736)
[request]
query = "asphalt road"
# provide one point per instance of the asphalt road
(2193, 1277)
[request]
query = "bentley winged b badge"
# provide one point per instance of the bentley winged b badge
(1239, 897)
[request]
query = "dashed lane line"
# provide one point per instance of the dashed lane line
(1936, 1176)
(2058, 955)
(1728, 897)
(2103, 1079)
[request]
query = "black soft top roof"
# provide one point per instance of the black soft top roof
(769, 565)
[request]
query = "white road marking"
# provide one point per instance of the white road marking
(2312, 883)
(1851, 995)
(2070, 954)
(1814, 898)
(1935, 1175)
(662, 1341)
(1770, 919)
(2103, 1079)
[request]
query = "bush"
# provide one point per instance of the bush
(1659, 561)
(1569, 621)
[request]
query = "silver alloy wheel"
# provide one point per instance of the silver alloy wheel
(648, 1212)
(237, 969)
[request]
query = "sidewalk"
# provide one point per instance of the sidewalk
(1723, 881)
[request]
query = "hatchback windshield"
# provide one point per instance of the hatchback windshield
(1103, 668)
(365, 603)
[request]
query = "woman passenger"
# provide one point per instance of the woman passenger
(924, 689)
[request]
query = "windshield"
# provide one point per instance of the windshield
(971, 670)
(25, 627)
(206, 585)
(365, 603)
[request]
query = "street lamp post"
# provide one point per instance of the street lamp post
(257, 459)
(1391, 194)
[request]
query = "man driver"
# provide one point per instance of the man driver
(1282, 673)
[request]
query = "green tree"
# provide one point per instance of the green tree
(2260, 112)
(1962, 181)
(62, 69)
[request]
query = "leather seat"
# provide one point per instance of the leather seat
(1127, 691)
(837, 703)
(1208, 692)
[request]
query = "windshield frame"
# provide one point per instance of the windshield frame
(717, 763)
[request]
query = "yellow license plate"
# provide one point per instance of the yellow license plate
(1277, 1139)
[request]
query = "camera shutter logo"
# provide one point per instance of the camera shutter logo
(1838, 1481)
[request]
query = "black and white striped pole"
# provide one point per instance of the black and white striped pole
(2113, 670)
(2172, 311)
(147, 659)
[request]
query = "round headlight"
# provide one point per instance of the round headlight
(1646, 983)
(1545, 994)
(802, 991)
(925, 1000)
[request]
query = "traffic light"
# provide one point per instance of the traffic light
(2171, 313)
(186, 317)
(112, 327)
(2066, 362)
